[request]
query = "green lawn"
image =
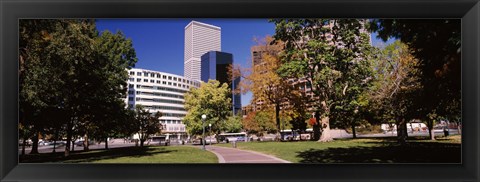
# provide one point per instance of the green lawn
(149, 154)
(371, 150)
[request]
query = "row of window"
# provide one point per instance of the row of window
(165, 108)
(171, 121)
(156, 100)
(160, 94)
(161, 88)
(175, 128)
(158, 75)
(162, 82)
(173, 115)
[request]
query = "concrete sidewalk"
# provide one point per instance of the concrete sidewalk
(233, 155)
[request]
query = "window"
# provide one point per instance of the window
(164, 77)
(137, 99)
(158, 81)
(132, 73)
(139, 73)
(188, 82)
(152, 81)
(158, 75)
(169, 83)
(188, 86)
(145, 80)
(132, 79)
(174, 78)
(130, 85)
(169, 77)
(139, 79)
(130, 92)
(183, 80)
(174, 84)
(145, 74)
(164, 82)
(130, 98)
(152, 75)
(138, 86)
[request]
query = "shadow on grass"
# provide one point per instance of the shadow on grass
(386, 151)
(93, 155)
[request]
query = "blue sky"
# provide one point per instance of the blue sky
(159, 42)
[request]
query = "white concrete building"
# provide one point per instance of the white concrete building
(200, 38)
(164, 92)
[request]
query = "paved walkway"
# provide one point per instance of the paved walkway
(233, 155)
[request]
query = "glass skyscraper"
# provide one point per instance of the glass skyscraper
(214, 66)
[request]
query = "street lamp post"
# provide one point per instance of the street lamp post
(210, 132)
(203, 133)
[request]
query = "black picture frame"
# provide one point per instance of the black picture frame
(12, 11)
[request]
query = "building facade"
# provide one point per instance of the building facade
(215, 67)
(164, 92)
(199, 39)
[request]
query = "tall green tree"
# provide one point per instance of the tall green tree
(211, 99)
(397, 86)
(436, 43)
(63, 66)
(325, 52)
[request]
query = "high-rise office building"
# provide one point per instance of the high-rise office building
(199, 39)
(215, 67)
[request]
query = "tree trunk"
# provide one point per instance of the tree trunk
(35, 143)
(401, 131)
(316, 127)
(326, 135)
(69, 139)
(431, 133)
(141, 142)
(54, 145)
(277, 118)
(353, 131)
(73, 145)
(459, 127)
(55, 139)
(106, 143)
(85, 143)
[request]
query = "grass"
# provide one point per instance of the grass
(365, 150)
(148, 154)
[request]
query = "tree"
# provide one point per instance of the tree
(233, 124)
(265, 82)
(146, 123)
(266, 121)
(436, 43)
(326, 53)
(397, 86)
(249, 123)
(211, 99)
(63, 66)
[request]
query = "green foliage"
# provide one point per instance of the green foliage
(69, 69)
(211, 99)
(333, 55)
(146, 123)
(266, 121)
(436, 43)
(233, 124)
